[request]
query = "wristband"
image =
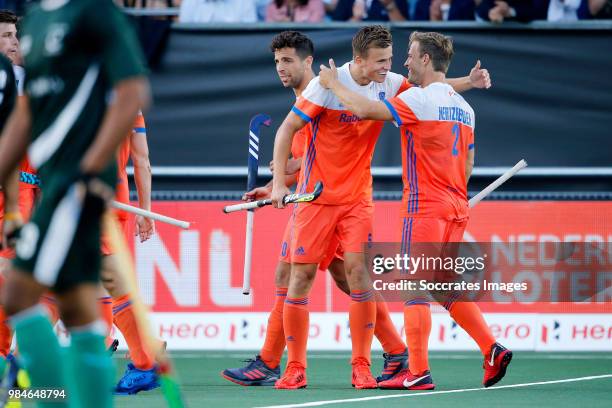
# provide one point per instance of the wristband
(12, 216)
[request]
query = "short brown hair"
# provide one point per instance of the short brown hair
(7, 16)
(374, 36)
(292, 39)
(439, 48)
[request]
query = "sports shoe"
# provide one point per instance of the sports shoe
(135, 380)
(394, 363)
(495, 364)
(362, 376)
(405, 380)
(293, 378)
(255, 373)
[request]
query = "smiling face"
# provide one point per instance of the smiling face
(376, 64)
(415, 63)
(290, 67)
(9, 44)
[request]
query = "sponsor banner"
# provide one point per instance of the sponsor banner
(200, 270)
(330, 331)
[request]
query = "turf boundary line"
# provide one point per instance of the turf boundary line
(420, 394)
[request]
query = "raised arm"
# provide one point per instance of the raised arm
(478, 78)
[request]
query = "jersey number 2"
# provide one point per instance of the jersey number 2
(456, 133)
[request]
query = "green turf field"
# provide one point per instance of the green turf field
(329, 379)
(459, 372)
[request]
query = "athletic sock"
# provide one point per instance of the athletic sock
(125, 320)
(362, 320)
(274, 344)
(92, 368)
(386, 332)
(417, 322)
(469, 317)
(40, 353)
(296, 322)
(105, 305)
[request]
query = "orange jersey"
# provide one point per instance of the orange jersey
(339, 145)
(299, 141)
(437, 131)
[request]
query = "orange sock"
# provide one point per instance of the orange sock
(296, 321)
(385, 330)
(469, 317)
(50, 304)
(417, 322)
(362, 320)
(105, 303)
(6, 335)
(125, 320)
(274, 345)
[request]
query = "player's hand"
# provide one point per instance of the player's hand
(145, 228)
(293, 166)
(479, 77)
(10, 229)
(327, 76)
(278, 194)
(259, 193)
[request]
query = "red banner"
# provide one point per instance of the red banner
(200, 270)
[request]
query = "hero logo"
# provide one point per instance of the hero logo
(181, 279)
(551, 333)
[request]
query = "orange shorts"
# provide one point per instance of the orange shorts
(105, 245)
(26, 205)
(334, 250)
(317, 226)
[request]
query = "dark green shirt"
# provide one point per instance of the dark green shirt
(75, 51)
(8, 90)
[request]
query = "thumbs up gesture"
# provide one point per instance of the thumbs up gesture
(479, 77)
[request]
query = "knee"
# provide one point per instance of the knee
(283, 273)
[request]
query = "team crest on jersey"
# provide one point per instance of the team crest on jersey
(54, 41)
(381, 95)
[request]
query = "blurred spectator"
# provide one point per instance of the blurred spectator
(498, 11)
(600, 8)
(369, 10)
(568, 10)
(298, 11)
(159, 4)
(444, 10)
(218, 11)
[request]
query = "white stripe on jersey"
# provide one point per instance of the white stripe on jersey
(51, 139)
(439, 102)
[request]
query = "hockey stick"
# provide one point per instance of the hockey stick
(288, 199)
(254, 131)
(501, 180)
(150, 214)
(169, 382)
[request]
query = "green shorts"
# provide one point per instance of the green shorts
(60, 246)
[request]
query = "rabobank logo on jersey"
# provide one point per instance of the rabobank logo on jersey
(348, 118)
(454, 114)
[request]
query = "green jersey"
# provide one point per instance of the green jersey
(75, 51)
(8, 89)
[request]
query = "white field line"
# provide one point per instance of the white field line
(421, 394)
(543, 356)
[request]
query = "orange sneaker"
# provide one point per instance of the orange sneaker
(293, 378)
(362, 376)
